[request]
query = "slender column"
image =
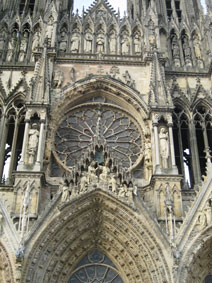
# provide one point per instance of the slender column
(172, 145)
(157, 153)
(40, 143)
(194, 152)
(13, 151)
(181, 148)
(24, 146)
(3, 141)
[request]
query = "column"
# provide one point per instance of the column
(4, 131)
(207, 148)
(173, 161)
(24, 146)
(157, 152)
(40, 143)
(13, 150)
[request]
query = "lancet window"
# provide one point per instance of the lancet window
(26, 5)
(12, 127)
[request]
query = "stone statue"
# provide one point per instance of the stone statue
(65, 192)
(58, 79)
(148, 159)
(49, 29)
(187, 52)
(35, 42)
(75, 43)
(84, 182)
(88, 42)
(23, 47)
(164, 147)
(112, 183)
(92, 172)
(105, 171)
(129, 81)
(33, 143)
(63, 42)
(123, 190)
(125, 44)
(131, 191)
(197, 48)
(112, 43)
(137, 44)
(11, 47)
(100, 43)
(24, 215)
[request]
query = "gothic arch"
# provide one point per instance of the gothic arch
(97, 220)
(6, 272)
(196, 260)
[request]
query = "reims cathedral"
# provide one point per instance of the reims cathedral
(105, 142)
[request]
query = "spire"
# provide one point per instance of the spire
(159, 94)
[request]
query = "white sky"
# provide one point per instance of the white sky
(78, 4)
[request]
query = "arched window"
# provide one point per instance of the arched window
(95, 267)
(183, 152)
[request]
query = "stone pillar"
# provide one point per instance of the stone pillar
(40, 143)
(207, 148)
(157, 151)
(13, 150)
(171, 139)
(4, 132)
(24, 146)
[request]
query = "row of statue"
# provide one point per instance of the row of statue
(100, 175)
(186, 51)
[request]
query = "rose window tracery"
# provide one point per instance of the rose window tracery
(90, 125)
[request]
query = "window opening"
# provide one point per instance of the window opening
(169, 9)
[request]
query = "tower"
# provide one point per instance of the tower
(105, 142)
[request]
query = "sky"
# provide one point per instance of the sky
(78, 4)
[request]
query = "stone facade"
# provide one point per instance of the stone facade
(105, 142)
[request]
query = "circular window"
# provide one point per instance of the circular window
(87, 126)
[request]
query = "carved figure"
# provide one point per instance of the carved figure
(88, 42)
(175, 48)
(100, 43)
(164, 147)
(112, 183)
(112, 43)
(58, 79)
(105, 171)
(131, 190)
(122, 190)
(125, 44)
(75, 41)
(11, 47)
(23, 47)
(25, 210)
(84, 182)
(49, 29)
(148, 159)
(187, 52)
(197, 49)
(92, 172)
(137, 44)
(2, 39)
(35, 42)
(65, 192)
(129, 81)
(63, 42)
(33, 143)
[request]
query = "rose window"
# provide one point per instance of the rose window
(112, 128)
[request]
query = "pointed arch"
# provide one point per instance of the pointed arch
(97, 221)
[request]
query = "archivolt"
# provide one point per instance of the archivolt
(196, 262)
(6, 272)
(97, 221)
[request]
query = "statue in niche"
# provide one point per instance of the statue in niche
(175, 51)
(104, 176)
(100, 43)
(75, 42)
(92, 172)
(25, 208)
(88, 42)
(125, 44)
(11, 47)
(35, 42)
(33, 143)
(137, 44)
(23, 46)
(164, 147)
(152, 37)
(63, 41)
(49, 29)
(112, 42)
(187, 52)
(122, 190)
(197, 51)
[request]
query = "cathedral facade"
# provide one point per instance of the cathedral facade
(105, 142)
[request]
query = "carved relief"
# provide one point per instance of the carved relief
(33, 143)
(164, 147)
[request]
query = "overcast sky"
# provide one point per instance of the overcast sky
(78, 4)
